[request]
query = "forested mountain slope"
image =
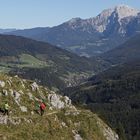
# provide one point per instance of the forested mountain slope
(43, 62)
(115, 96)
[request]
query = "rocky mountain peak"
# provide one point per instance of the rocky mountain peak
(75, 20)
(125, 11)
(121, 10)
(110, 15)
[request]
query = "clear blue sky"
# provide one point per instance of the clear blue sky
(42, 13)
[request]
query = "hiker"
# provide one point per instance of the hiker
(42, 108)
(37, 107)
(6, 109)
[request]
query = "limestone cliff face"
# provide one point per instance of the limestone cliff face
(100, 22)
(61, 118)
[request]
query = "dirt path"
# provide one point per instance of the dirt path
(32, 116)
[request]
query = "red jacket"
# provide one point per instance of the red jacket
(42, 106)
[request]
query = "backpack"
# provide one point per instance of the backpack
(43, 106)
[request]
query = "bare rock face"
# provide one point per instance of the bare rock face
(16, 96)
(2, 84)
(30, 96)
(3, 119)
(5, 93)
(77, 137)
(13, 120)
(34, 86)
(67, 100)
(108, 16)
(23, 108)
(108, 133)
(58, 101)
(125, 11)
(100, 22)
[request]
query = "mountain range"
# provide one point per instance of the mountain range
(93, 36)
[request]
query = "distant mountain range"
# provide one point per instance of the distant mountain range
(93, 36)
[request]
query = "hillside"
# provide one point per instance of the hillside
(115, 92)
(128, 51)
(61, 119)
(93, 36)
(43, 62)
(30, 33)
(114, 95)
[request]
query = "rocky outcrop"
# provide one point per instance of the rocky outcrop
(3, 119)
(2, 84)
(107, 131)
(34, 86)
(23, 108)
(58, 101)
(77, 137)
